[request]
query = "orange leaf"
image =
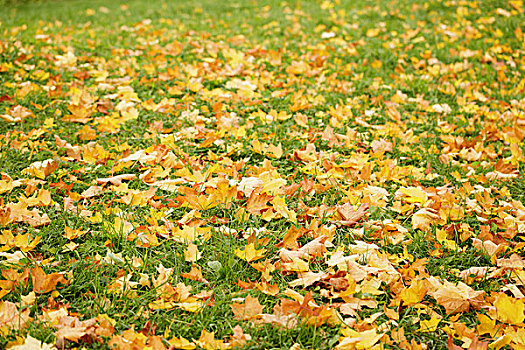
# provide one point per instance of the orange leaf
(43, 283)
(208, 342)
(257, 202)
(249, 310)
(195, 274)
(269, 289)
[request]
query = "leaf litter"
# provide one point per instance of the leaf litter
(352, 174)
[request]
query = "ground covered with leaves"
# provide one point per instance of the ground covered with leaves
(271, 174)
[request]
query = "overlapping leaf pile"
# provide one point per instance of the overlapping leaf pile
(326, 175)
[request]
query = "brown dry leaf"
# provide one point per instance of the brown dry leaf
(13, 278)
(479, 272)
(92, 191)
(489, 247)
(308, 155)
(306, 279)
(274, 151)
(17, 114)
(257, 202)
(71, 328)
(353, 305)
(33, 217)
(286, 321)
(5, 216)
(451, 345)
(41, 169)
(156, 342)
(315, 248)
(477, 344)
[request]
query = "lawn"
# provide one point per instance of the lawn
(262, 174)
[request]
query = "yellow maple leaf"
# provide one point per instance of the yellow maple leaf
(441, 236)
(191, 305)
(70, 233)
(415, 293)
(500, 342)
(413, 195)
(249, 253)
(372, 32)
(271, 184)
(192, 253)
(430, 325)
(187, 234)
(508, 309)
(486, 325)
(207, 341)
(297, 265)
(353, 339)
(6, 185)
(182, 343)
(24, 242)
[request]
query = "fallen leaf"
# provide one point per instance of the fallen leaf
(509, 310)
(43, 283)
(31, 343)
(207, 341)
(424, 218)
(457, 298)
(192, 253)
(249, 253)
(250, 309)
